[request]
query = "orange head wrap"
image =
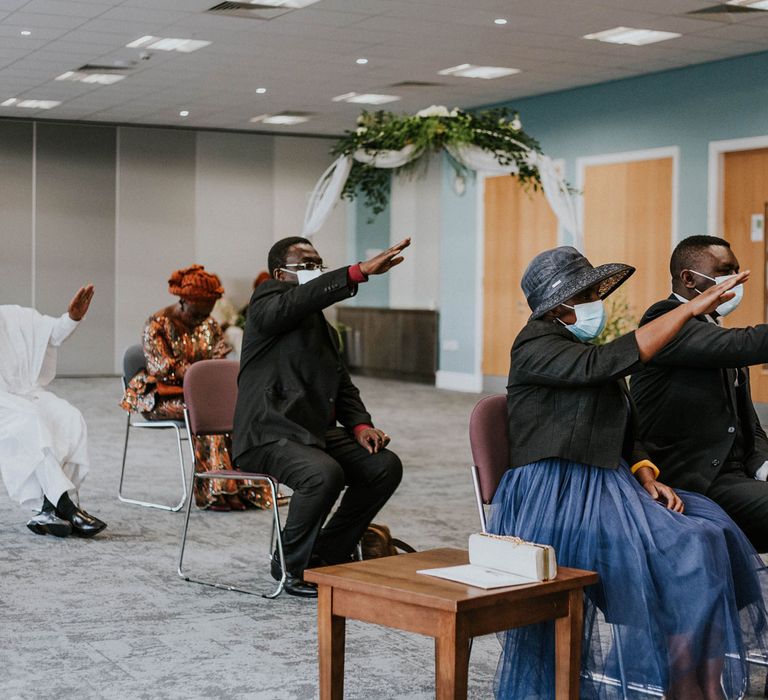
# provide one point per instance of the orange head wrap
(195, 284)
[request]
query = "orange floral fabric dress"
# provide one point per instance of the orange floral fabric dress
(170, 348)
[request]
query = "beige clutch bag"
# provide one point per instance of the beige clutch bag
(513, 555)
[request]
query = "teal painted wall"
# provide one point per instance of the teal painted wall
(687, 108)
(458, 264)
(369, 232)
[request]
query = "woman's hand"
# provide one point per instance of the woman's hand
(710, 299)
(221, 350)
(664, 495)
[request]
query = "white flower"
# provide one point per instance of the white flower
(361, 130)
(516, 124)
(360, 119)
(435, 111)
(454, 112)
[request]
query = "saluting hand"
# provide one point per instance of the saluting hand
(78, 307)
(385, 261)
(710, 299)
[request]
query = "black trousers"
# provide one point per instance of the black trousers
(745, 500)
(317, 477)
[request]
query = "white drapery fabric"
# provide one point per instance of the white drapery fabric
(43, 439)
(329, 187)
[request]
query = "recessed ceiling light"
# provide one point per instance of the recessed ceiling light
(260, 91)
(167, 44)
(282, 119)
(291, 4)
(30, 104)
(184, 113)
(77, 76)
(500, 20)
(629, 35)
(467, 70)
(361, 61)
(25, 32)
(366, 98)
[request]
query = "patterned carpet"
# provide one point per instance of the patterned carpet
(109, 618)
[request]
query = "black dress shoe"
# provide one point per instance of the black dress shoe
(48, 523)
(294, 585)
(83, 524)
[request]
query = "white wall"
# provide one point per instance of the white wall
(415, 212)
(145, 202)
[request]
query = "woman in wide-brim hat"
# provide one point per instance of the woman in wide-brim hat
(677, 576)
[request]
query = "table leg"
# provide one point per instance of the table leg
(568, 633)
(451, 660)
(330, 637)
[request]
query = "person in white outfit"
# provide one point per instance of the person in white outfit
(43, 439)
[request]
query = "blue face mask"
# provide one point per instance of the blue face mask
(590, 320)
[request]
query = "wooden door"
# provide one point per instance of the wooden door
(628, 218)
(745, 194)
(518, 225)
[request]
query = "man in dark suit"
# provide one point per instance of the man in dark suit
(697, 419)
(293, 392)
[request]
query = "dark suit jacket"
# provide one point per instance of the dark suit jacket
(293, 384)
(569, 399)
(687, 401)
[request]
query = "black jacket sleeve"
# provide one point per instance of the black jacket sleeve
(707, 345)
(350, 410)
(560, 360)
(277, 307)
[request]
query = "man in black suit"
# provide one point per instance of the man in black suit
(697, 419)
(293, 392)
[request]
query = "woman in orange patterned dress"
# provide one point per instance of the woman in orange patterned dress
(174, 338)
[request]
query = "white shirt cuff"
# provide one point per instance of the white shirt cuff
(762, 473)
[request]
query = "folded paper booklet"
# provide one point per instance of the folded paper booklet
(501, 560)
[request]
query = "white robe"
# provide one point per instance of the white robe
(43, 439)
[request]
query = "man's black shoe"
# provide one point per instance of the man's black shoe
(294, 585)
(48, 523)
(83, 524)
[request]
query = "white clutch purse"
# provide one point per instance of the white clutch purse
(513, 555)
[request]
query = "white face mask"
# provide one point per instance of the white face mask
(304, 276)
(727, 306)
(590, 320)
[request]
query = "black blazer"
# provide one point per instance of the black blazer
(568, 399)
(293, 384)
(687, 401)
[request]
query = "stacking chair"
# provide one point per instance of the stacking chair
(210, 394)
(489, 441)
(133, 362)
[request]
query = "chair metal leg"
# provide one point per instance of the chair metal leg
(620, 657)
(215, 584)
(149, 504)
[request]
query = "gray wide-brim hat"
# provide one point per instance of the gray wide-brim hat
(556, 275)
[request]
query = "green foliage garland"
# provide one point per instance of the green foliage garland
(495, 130)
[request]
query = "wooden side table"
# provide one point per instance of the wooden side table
(389, 592)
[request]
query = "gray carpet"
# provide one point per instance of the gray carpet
(109, 618)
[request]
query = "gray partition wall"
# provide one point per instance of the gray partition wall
(16, 194)
(75, 236)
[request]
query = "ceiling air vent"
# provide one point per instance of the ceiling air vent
(116, 67)
(724, 13)
(248, 10)
(415, 84)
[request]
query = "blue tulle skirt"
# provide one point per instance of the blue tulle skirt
(679, 598)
